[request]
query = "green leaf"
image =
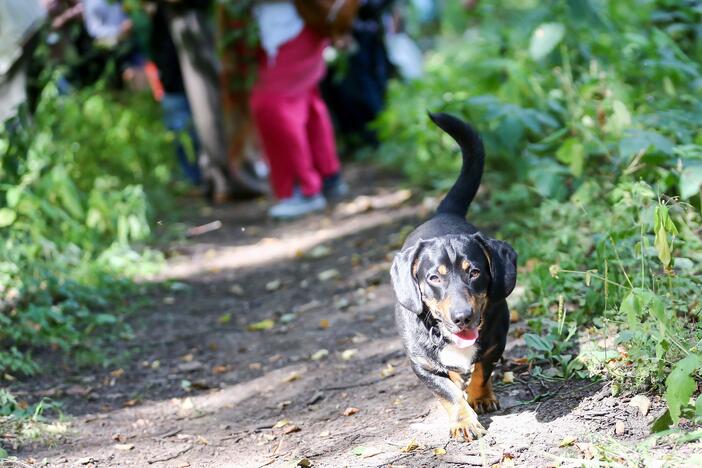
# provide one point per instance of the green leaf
(631, 308)
(544, 39)
(680, 385)
(690, 181)
(572, 152)
(639, 140)
(662, 247)
(7, 217)
(538, 343)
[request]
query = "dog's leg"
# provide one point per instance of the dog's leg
(480, 394)
(463, 421)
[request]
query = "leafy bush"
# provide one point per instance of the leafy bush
(590, 112)
(79, 189)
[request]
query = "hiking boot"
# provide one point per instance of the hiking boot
(334, 188)
(296, 206)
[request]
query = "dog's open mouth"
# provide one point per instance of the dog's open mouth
(465, 338)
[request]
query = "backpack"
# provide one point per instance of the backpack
(330, 18)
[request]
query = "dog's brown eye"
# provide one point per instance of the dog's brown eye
(474, 273)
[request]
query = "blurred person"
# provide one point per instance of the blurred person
(356, 93)
(20, 20)
(192, 32)
(292, 120)
(174, 102)
(111, 29)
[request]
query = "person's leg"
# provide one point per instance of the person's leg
(178, 119)
(281, 124)
(320, 134)
(194, 40)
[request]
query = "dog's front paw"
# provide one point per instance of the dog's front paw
(484, 403)
(467, 428)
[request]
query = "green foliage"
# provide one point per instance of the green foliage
(80, 186)
(590, 113)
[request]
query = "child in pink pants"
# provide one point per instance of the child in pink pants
(295, 128)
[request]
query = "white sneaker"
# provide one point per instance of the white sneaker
(296, 206)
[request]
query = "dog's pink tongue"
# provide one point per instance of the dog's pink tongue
(466, 338)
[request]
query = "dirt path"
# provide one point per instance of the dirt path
(197, 388)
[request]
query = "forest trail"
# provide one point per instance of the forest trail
(325, 383)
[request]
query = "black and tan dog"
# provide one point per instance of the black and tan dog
(451, 283)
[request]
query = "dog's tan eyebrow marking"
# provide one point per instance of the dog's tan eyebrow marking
(465, 264)
(442, 269)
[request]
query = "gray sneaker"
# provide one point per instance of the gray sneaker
(296, 206)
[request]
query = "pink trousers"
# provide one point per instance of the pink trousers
(292, 120)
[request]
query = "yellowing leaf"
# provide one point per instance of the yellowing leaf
(281, 423)
(266, 324)
(567, 441)
(319, 355)
(348, 354)
(439, 451)
(508, 377)
(387, 371)
(224, 318)
(292, 377)
(324, 324)
(411, 446)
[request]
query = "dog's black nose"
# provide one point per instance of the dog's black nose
(462, 317)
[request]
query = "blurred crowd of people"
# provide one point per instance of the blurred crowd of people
(260, 113)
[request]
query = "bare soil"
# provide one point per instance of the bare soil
(327, 384)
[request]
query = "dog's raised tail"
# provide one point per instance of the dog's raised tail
(458, 199)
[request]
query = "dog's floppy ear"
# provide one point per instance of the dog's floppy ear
(403, 281)
(503, 266)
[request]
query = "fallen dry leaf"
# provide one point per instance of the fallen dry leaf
(348, 354)
(324, 434)
(319, 355)
(619, 428)
(327, 275)
(191, 366)
(520, 361)
(117, 373)
(642, 403)
(291, 377)
(255, 366)
(587, 449)
(411, 446)
(131, 402)
(387, 371)
(216, 370)
(350, 411)
(266, 324)
(439, 451)
(124, 447)
(281, 423)
(304, 463)
(290, 428)
(567, 441)
(273, 285)
(514, 316)
(236, 289)
(508, 377)
(324, 324)
(319, 251)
